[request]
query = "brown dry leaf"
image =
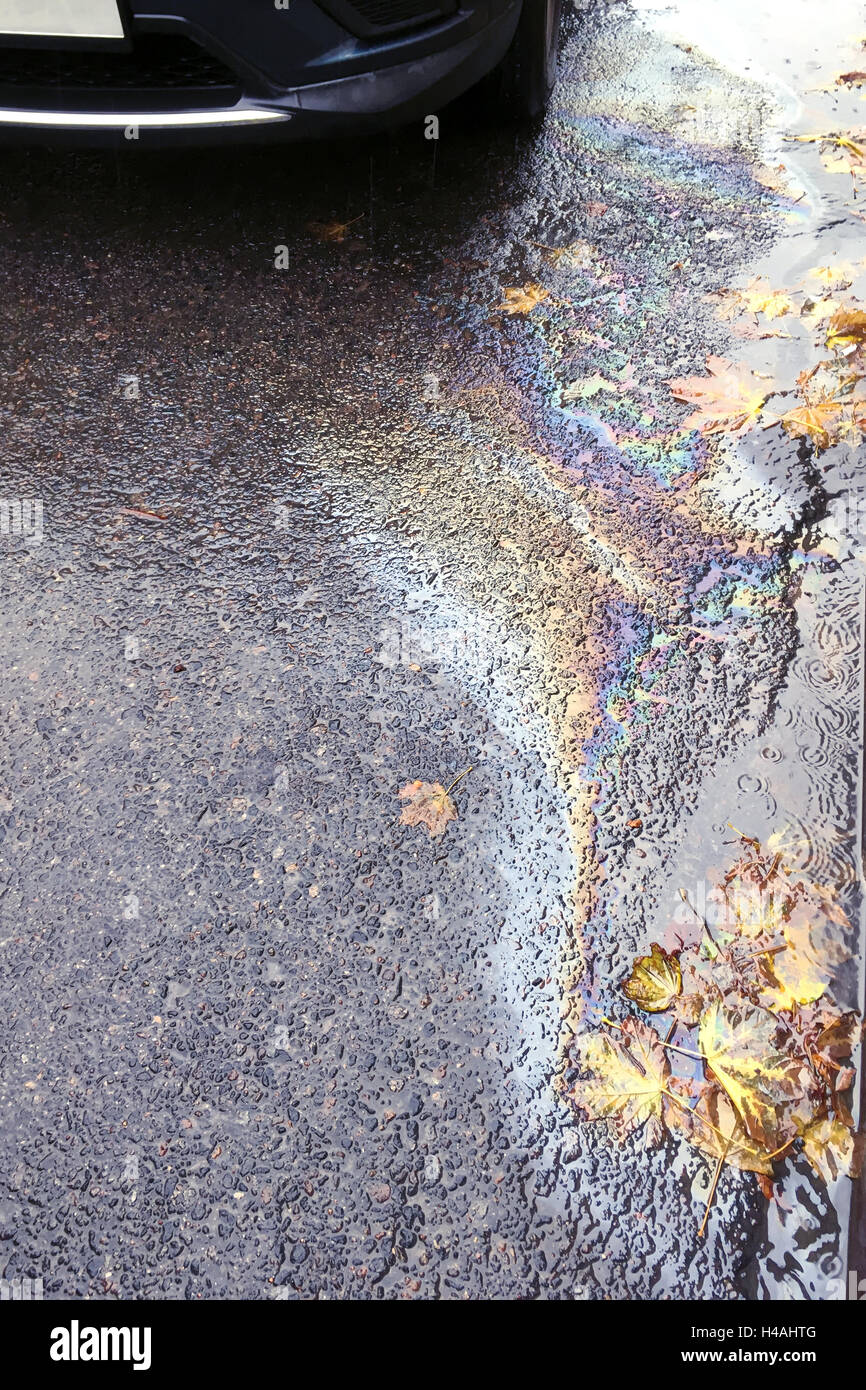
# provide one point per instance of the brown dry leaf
(846, 331)
(332, 231)
(523, 299)
(688, 1009)
(628, 1076)
(728, 401)
(832, 1149)
(428, 804)
(757, 897)
(756, 332)
(581, 254)
(851, 79)
(655, 980)
(741, 1047)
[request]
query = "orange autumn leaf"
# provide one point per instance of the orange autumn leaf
(428, 804)
(728, 401)
(522, 300)
(819, 422)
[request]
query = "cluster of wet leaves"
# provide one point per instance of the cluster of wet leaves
(732, 399)
(768, 1070)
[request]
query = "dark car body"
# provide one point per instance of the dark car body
(194, 70)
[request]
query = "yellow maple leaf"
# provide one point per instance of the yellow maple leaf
(760, 298)
(728, 401)
(832, 1149)
(655, 980)
(627, 1079)
(819, 422)
(846, 331)
(832, 277)
(522, 300)
(740, 1047)
(714, 1127)
(795, 973)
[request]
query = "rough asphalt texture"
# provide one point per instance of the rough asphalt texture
(304, 543)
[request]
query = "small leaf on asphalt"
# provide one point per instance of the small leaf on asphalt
(846, 330)
(428, 804)
(522, 300)
(332, 231)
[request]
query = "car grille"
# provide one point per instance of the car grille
(158, 65)
(369, 18)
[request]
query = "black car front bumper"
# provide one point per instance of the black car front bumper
(237, 69)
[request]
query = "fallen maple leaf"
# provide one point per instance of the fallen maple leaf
(801, 972)
(756, 332)
(332, 231)
(740, 1047)
(714, 1127)
(655, 980)
(728, 401)
(757, 298)
(628, 1076)
(581, 254)
(832, 277)
(846, 331)
(429, 804)
(851, 79)
(842, 152)
(819, 422)
(832, 1149)
(522, 300)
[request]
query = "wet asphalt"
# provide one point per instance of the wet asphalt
(318, 520)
